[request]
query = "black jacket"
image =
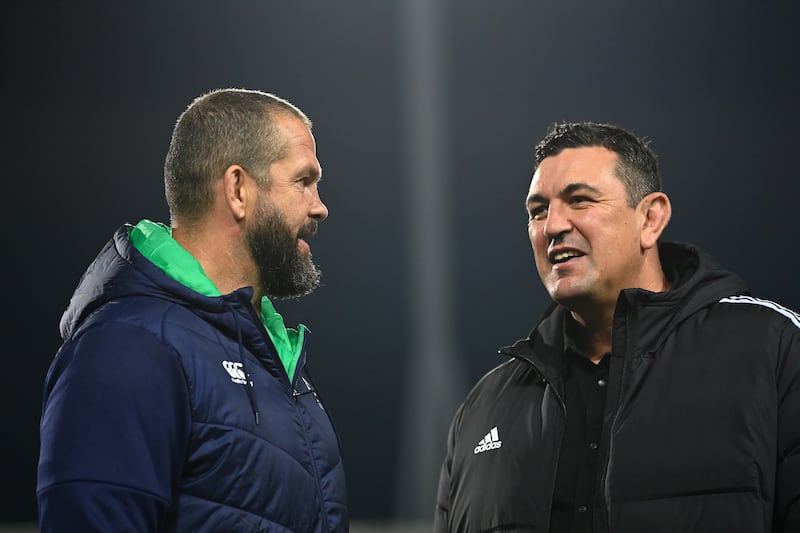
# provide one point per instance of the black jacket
(701, 426)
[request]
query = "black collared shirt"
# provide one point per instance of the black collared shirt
(585, 386)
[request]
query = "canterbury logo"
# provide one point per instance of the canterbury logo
(236, 372)
(490, 442)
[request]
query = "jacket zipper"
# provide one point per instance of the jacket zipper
(297, 408)
(561, 439)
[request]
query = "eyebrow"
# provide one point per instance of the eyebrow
(311, 170)
(572, 188)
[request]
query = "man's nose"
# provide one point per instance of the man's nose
(318, 210)
(558, 221)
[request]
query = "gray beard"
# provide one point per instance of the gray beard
(283, 270)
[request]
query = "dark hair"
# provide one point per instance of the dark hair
(637, 165)
(222, 128)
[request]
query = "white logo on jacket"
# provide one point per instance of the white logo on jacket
(236, 372)
(490, 442)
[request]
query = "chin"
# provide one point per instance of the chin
(565, 297)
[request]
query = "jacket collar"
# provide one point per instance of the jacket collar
(697, 281)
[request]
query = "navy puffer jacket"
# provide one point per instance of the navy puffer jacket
(167, 410)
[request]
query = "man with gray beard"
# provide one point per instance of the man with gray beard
(179, 401)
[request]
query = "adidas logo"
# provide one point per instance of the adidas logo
(490, 442)
(236, 372)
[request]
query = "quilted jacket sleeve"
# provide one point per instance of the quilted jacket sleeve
(441, 517)
(114, 431)
(787, 501)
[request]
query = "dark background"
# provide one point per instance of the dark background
(91, 91)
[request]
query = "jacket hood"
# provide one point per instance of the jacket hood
(121, 271)
(697, 281)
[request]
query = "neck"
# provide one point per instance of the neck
(593, 323)
(228, 268)
(593, 337)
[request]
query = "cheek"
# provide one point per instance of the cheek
(539, 246)
(532, 232)
(626, 237)
(537, 238)
(294, 216)
(617, 250)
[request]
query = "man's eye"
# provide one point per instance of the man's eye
(579, 199)
(537, 213)
(305, 181)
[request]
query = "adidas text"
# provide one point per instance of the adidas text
(490, 442)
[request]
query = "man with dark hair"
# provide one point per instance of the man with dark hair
(179, 401)
(654, 395)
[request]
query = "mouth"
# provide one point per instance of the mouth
(562, 256)
(309, 230)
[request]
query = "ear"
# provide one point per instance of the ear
(656, 211)
(234, 190)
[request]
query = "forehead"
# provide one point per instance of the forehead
(301, 148)
(295, 132)
(592, 165)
